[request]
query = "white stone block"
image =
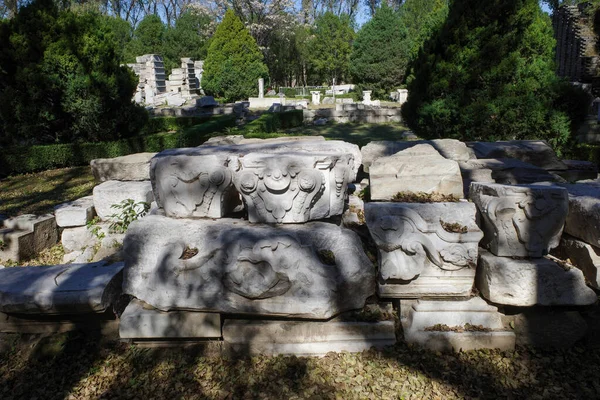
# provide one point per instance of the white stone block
(583, 256)
(314, 270)
(132, 167)
(536, 152)
(27, 235)
(424, 249)
(417, 169)
(442, 325)
(520, 220)
(308, 338)
(529, 282)
(75, 213)
(112, 193)
(140, 321)
(60, 289)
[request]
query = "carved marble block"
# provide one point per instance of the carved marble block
(194, 186)
(424, 249)
(293, 187)
(520, 220)
(314, 270)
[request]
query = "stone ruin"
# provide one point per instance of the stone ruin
(155, 89)
(270, 246)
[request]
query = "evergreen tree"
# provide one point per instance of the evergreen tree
(186, 39)
(422, 18)
(148, 38)
(489, 75)
(234, 62)
(380, 67)
(331, 46)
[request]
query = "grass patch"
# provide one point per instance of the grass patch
(38, 193)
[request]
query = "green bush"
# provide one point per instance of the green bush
(274, 122)
(234, 62)
(167, 124)
(37, 158)
(489, 75)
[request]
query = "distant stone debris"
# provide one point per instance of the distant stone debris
(154, 89)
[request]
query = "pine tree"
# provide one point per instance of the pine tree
(234, 62)
(380, 67)
(488, 74)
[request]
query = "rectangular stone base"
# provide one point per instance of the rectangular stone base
(140, 321)
(305, 338)
(457, 341)
(433, 282)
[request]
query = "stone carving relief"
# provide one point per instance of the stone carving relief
(232, 266)
(194, 186)
(292, 188)
(521, 220)
(421, 254)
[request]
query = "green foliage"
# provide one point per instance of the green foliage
(36, 158)
(185, 39)
(331, 45)
(61, 79)
(274, 122)
(380, 68)
(127, 212)
(167, 124)
(234, 62)
(489, 75)
(95, 229)
(148, 37)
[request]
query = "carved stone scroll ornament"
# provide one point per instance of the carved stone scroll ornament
(193, 186)
(406, 245)
(521, 220)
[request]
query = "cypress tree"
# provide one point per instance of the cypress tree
(233, 63)
(380, 53)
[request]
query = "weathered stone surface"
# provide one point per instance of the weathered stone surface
(140, 321)
(355, 212)
(417, 169)
(536, 152)
(520, 221)
(424, 249)
(293, 188)
(114, 192)
(207, 101)
(524, 283)
(451, 149)
(239, 139)
(278, 146)
(546, 328)
(578, 170)
(59, 289)
(443, 325)
(132, 167)
(194, 186)
(506, 171)
(25, 236)
(314, 270)
(583, 256)
(83, 244)
(583, 220)
(308, 338)
(75, 213)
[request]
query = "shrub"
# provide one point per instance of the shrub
(37, 158)
(234, 62)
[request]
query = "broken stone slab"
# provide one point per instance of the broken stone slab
(529, 282)
(417, 169)
(451, 149)
(140, 321)
(314, 270)
(355, 212)
(548, 328)
(443, 325)
(60, 289)
(578, 170)
(424, 249)
(520, 220)
(309, 338)
(293, 187)
(132, 167)
(583, 220)
(308, 146)
(583, 256)
(25, 236)
(207, 101)
(112, 193)
(194, 186)
(536, 152)
(75, 213)
(89, 244)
